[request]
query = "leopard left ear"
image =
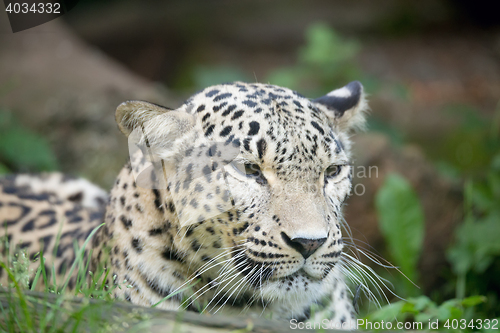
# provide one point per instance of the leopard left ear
(347, 106)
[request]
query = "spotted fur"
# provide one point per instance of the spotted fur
(38, 211)
(239, 192)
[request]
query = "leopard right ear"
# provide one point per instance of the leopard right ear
(346, 106)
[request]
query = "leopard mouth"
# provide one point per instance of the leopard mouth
(258, 273)
(300, 273)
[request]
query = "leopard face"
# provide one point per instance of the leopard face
(240, 188)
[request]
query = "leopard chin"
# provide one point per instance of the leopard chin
(298, 284)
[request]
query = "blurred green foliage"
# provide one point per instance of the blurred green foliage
(401, 221)
(474, 256)
(468, 150)
(422, 309)
(477, 242)
(325, 62)
(22, 150)
(395, 135)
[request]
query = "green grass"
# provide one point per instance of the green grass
(90, 306)
(22, 310)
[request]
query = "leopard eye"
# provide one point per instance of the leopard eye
(332, 171)
(250, 170)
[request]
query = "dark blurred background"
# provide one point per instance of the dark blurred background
(431, 69)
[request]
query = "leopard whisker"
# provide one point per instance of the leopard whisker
(220, 283)
(372, 276)
(204, 269)
(230, 280)
(236, 286)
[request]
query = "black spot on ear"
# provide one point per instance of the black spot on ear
(338, 102)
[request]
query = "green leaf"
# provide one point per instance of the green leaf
(401, 221)
(473, 300)
(326, 61)
(421, 302)
(450, 309)
(387, 313)
(476, 246)
(325, 46)
(461, 259)
(422, 309)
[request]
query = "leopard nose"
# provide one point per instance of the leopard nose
(304, 246)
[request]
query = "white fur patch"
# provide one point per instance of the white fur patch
(342, 92)
(311, 234)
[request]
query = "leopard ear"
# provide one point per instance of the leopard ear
(131, 114)
(347, 106)
(156, 136)
(157, 125)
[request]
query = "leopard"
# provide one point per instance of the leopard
(231, 203)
